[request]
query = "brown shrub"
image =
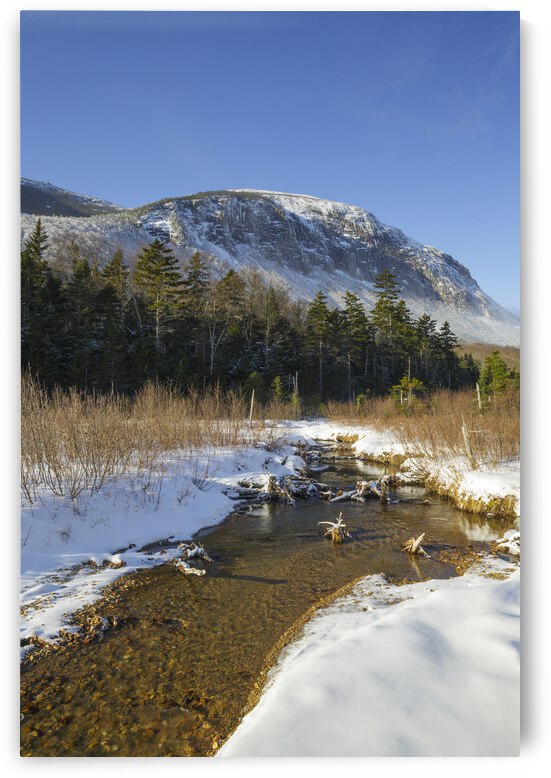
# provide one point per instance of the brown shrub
(71, 442)
(434, 426)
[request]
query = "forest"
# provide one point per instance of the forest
(113, 329)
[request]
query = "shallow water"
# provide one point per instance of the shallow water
(175, 675)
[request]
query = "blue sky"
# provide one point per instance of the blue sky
(413, 116)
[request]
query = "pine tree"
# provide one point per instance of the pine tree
(354, 336)
(296, 404)
(383, 319)
(81, 321)
(384, 311)
(425, 335)
(158, 278)
(195, 283)
(495, 375)
(116, 276)
(34, 270)
(317, 332)
(406, 391)
(34, 250)
(446, 344)
(468, 370)
(277, 389)
(404, 335)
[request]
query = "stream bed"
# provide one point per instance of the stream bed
(186, 656)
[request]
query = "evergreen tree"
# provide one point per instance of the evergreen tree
(495, 375)
(193, 330)
(277, 389)
(157, 276)
(406, 391)
(317, 333)
(403, 344)
(425, 336)
(55, 344)
(354, 338)
(34, 251)
(383, 320)
(383, 313)
(446, 344)
(468, 370)
(34, 271)
(116, 276)
(81, 321)
(195, 283)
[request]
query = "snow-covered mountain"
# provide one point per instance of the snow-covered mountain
(303, 242)
(44, 199)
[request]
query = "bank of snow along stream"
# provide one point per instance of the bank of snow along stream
(424, 669)
(428, 668)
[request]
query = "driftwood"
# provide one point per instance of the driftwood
(413, 546)
(344, 496)
(374, 488)
(336, 530)
(364, 490)
(191, 551)
(271, 487)
(186, 569)
(278, 488)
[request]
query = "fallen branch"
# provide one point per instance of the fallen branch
(337, 530)
(186, 569)
(344, 496)
(191, 551)
(413, 546)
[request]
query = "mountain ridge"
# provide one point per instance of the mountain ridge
(305, 242)
(41, 198)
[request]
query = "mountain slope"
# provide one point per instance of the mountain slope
(303, 242)
(44, 199)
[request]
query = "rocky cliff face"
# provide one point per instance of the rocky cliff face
(303, 242)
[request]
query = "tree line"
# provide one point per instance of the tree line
(114, 329)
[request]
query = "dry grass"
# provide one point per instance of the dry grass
(434, 426)
(72, 442)
(510, 354)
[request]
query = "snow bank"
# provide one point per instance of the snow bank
(61, 542)
(369, 443)
(436, 674)
(477, 490)
(184, 494)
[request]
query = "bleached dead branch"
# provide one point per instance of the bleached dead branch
(191, 551)
(413, 546)
(336, 530)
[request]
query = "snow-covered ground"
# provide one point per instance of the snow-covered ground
(435, 674)
(59, 540)
(427, 669)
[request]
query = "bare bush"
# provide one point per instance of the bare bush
(73, 442)
(434, 426)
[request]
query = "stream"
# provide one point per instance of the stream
(186, 656)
